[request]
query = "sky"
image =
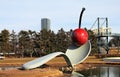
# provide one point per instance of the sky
(26, 14)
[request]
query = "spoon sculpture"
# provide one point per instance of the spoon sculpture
(76, 74)
(75, 54)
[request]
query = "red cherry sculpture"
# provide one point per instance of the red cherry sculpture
(80, 36)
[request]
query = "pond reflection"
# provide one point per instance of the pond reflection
(98, 72)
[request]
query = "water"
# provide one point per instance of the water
(100, 71)
(9, 68)
(103, 71)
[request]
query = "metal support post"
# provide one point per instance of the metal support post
(99, 35)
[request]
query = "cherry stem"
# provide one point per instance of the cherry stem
(83, 9)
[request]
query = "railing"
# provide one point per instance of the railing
(109, 34)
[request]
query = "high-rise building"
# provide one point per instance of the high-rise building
(45, 24)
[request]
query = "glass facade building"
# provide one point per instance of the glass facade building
(45, 24)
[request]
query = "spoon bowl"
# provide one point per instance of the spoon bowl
(78, 54)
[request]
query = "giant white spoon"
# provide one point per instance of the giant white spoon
(74, 55)
(76, 74)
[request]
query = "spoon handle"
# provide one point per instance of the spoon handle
(42, 60)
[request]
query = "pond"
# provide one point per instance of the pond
(9, 68)
(101, 71)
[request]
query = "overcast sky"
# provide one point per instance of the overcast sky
(27, 14)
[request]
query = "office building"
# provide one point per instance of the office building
(45, 24)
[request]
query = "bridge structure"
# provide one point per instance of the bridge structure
(103, 31)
